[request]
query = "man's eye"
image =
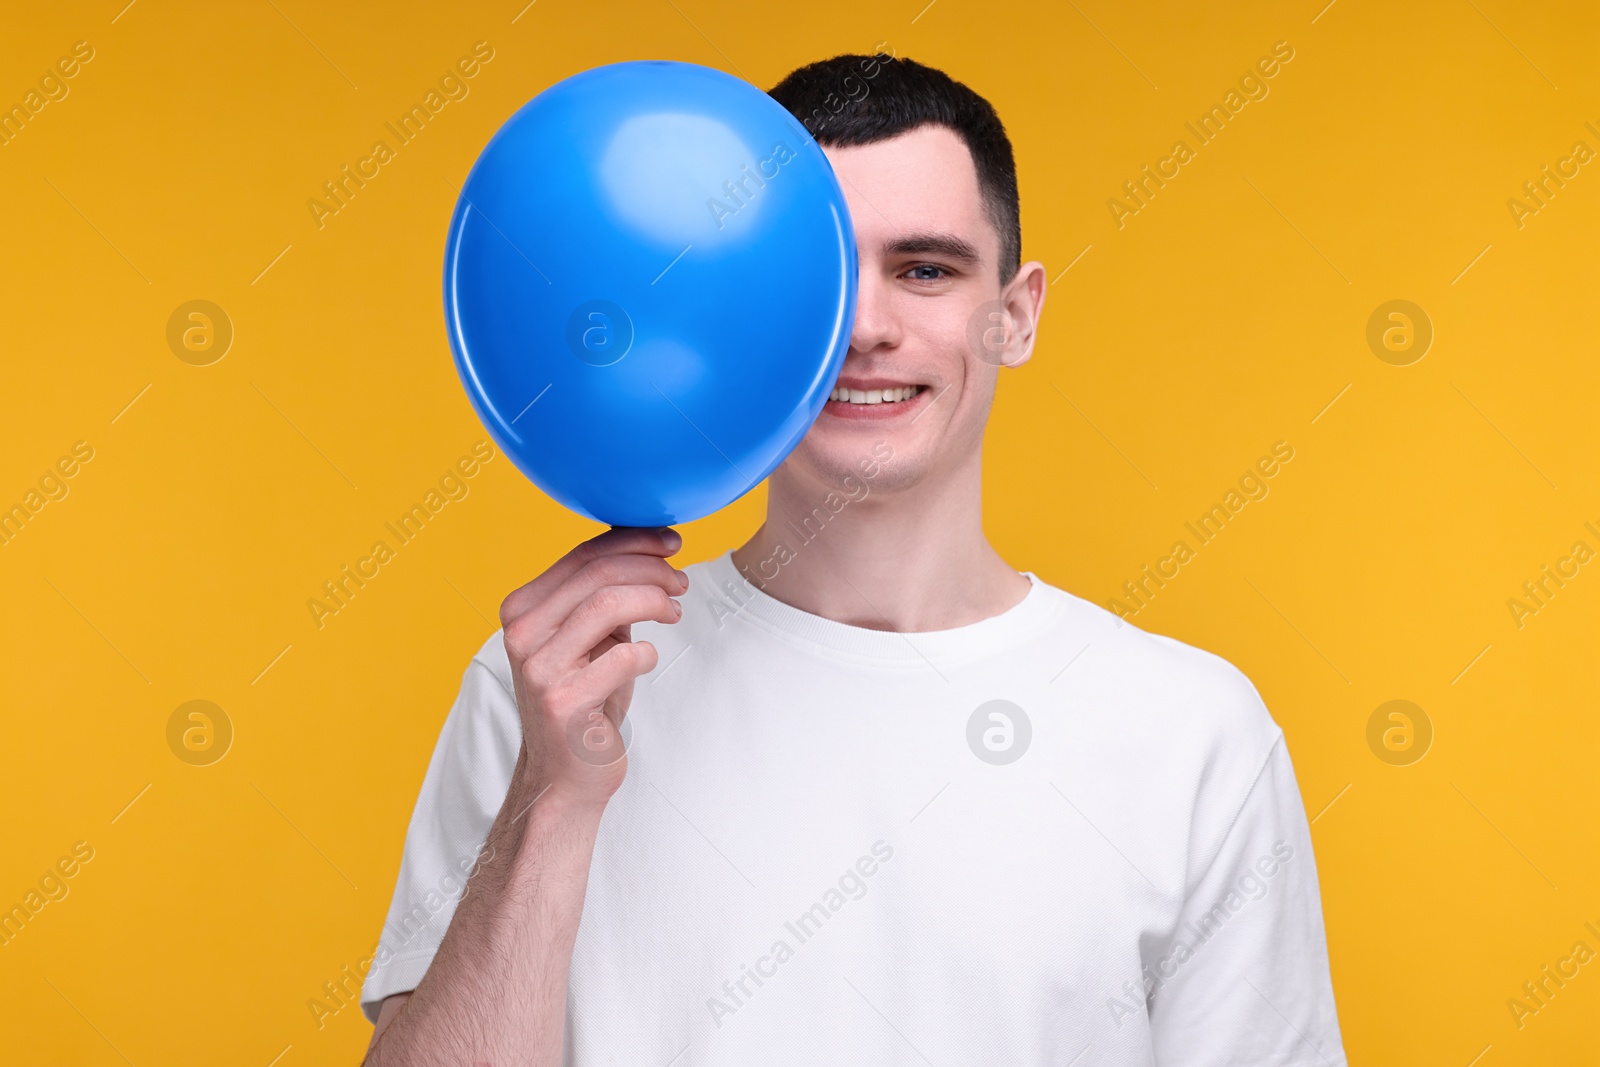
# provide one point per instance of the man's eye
(939, 273)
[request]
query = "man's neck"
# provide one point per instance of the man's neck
(911, 560)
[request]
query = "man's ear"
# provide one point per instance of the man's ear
(1023, 299)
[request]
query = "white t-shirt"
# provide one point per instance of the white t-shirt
(1049, 837)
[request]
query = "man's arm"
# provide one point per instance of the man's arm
(496, 988)
(391, 1007)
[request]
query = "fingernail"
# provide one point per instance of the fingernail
(683, 578)
(677, 609)
(673, 539)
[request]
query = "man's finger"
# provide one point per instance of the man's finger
(621, 663)
(644, 540)
(600, 614)
(531, 630)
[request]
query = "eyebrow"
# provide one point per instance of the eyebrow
(933, 243)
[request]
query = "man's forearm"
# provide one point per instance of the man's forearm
(496, 990)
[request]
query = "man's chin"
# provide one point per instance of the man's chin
(863, 464)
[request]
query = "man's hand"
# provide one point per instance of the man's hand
(568, 636)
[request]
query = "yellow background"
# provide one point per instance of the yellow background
(1225, 316)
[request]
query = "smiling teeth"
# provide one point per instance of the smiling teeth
(875, 396)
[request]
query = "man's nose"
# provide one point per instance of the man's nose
(876, 317)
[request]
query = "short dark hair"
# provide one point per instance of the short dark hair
(855, 100)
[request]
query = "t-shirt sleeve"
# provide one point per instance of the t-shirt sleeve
(1245, 979)
(462, 792)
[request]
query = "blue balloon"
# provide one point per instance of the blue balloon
(649, 285)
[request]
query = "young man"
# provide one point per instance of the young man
(878, 798)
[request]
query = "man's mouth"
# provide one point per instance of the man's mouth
(874, 399)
